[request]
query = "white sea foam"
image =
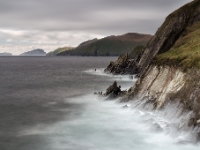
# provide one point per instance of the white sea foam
(100, 72)
(107, 125)
(126, 81)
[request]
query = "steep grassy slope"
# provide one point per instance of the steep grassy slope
(186, 51)
(169, 69)
(136, 52)
(176, 26)
(109, 46)
(59, 50)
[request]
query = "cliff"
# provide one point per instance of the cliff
(163, 85)
(169, 66)
(108, 46)
(168, 69)
(126, 63)
(170, 32)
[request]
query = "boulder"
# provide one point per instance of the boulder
(113, 89)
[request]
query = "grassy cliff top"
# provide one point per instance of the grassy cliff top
(186, 51)
(59, 50)
(109, 46)
(188, 9)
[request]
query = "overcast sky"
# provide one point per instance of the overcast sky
(48, 24)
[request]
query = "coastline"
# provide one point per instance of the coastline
(170, 120)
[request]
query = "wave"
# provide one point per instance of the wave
(99, 124)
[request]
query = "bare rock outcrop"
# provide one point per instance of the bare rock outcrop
(162, 84)
(124, 65)
(114, 91)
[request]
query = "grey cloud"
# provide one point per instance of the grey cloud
(75, 14)
(54, 22)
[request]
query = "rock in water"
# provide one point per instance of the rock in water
(113, 90)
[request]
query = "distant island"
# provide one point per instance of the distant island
(108, 46)
(5, 54)
(35, 52)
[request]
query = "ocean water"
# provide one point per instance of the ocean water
(48, 103)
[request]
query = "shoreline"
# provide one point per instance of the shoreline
(173, 113)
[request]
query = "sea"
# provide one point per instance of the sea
(48, 103)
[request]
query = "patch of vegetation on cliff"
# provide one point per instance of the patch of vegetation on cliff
(186, 10)
(136, 51)
(186, 51)
(59, 50)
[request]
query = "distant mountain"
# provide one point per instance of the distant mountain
(5, 54)
(35, 52)
(88, 42)
(109, 46)
(58, 50)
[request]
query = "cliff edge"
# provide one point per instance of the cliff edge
(172, 30)
(169, 68)
(108, 46)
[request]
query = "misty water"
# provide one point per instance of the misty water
(47, 103)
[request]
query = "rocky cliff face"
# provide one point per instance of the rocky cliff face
(123, 65)
(126, 63)
(158, 83)
(174, 28)
(161, 84)
(171, 30)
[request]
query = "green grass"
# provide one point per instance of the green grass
(104, 47)
(186, 51)
(59, 50)
(136, 51)
(187, 11)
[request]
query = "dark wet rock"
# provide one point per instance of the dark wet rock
(119, 66)
(114, 91)
(99, 93)
(126, 63)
